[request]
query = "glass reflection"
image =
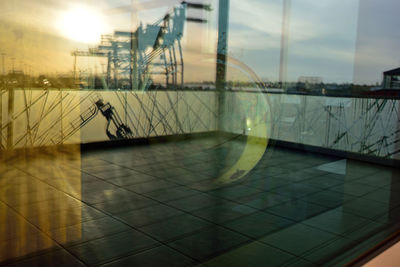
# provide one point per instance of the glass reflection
(217, 132)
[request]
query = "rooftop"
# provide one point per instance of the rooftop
(392, 72)
(161, 203)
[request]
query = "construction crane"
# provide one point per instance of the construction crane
(135, 59)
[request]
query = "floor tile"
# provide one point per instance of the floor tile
(24, 199)
(298, 239)
(267, 172)
(298, 262)
(295, 190)
(393, 216)
(208, 243)
(24, 245)
(59, 257)
(234, 192)
(366, 230)
(169, 194)
(44, 207)
(384, 196)
(366, 208)
(323, 253)
(268, 183)
(118, 194)
(161, 256)
(60, 219)
(150, 186)
(196, 202)
(376, 179)
(393, 187)
(14, 226)
(111, 247)
(296, 210)
(149, 215)
(336, 221)
(120, 206)
(258, 224)
(301, 174)
(186, 179)
(353, 188)
(329, 199)
(110, 174)
(204, 185)
(223, 213)
(263, 200)
(253, 254)
(86, 231)
(338, 166)
(174, 227)
(322, 182)
(358, 168)
(132, 179)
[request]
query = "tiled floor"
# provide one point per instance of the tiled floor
(160, 205)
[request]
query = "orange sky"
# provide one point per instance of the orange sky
(31, 33)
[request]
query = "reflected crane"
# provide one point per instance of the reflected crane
(134, 58)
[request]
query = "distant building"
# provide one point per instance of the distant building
(391, 79)
(16, 78)
(310, 80)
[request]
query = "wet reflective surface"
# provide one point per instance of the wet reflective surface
(161, 205)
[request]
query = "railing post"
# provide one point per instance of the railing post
(222, 51)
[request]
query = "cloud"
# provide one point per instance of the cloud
(378, 40)
(321, 33)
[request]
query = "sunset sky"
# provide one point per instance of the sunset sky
(339, 41)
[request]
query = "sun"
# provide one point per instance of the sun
(82, 24)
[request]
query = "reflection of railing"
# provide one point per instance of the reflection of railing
(274, 90)
(58, 117)
(363, 125)
(366, 126)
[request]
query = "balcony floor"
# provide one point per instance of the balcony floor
(161, 205)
